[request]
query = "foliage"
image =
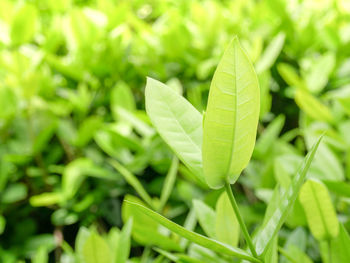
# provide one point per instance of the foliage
(77, 147)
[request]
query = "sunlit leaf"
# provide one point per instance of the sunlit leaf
(276, 219)
(178, 123)
(319, 210)
(231, 119)
(192, 236)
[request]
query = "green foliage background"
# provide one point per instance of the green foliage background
(75, 138)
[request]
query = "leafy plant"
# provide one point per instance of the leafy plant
(229, 132)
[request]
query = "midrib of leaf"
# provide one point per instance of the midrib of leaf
(235, 112)
(94, 256)
(320, 209)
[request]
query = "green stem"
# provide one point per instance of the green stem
(240, 219)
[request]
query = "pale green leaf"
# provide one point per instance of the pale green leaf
(133, 181)
(24, 24)
(318, 76)
(96, 250)
(145, 230)
(227, 228)
(169, 182)
(123, 249)
(271, 53)
(268, 137)
(231, 119)
(121, 96)
(340, 246)
(206, 217)
(178, 123)
(284, 204)
(312, 106)
(319, 210)
(192, 236)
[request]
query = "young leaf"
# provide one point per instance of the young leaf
(192, 236)
(271, 53)
(96, 250)
(178, 123)
(319, 210)
(206, 217)
(268, 137)
(340, 246)
(312, 106)
(123, 249)
(271, 227)
(227, 227)
(133, 181)
(231, 119)
(145, 230)
(169, 183)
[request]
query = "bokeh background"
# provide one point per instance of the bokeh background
(72, 78)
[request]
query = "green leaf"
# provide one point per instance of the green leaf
(227, 228)
(319, 210)
(192, 236)
(96, 250)
(133, 181)
(271, 53)
(80, 240)
(276, 219)
(231, 119)
(178, 123)
(46, 199)
(75, 173)
(123, 249)
(145, 230)
(24, 24)
(206, 217)
(121, 96)
(312, 106)
(2, 224)
(295, 255)
(41, 255)
(169, 182)
(340, 246)
(14, 193)
(268, 137)
(318, 76)
(290, 75)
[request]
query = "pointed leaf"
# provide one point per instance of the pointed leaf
(319, 210)
(231, 118)
(271, 227)
(206, 217)
(178, 123)
(123, 249)
(227, 227)
(340, 246)
(96, 250)
(192, 236)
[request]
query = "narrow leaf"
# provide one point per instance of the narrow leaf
(96, 250)
(194, 237)
(169, 183)
(133, 181)
(206, 217)
(227, 227)
(123, 249)
(271, 53)
(271, 227)
(231, 118)
(340, 246)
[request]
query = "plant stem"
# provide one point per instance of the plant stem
(240, 219)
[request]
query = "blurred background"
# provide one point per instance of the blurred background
(72, 78)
